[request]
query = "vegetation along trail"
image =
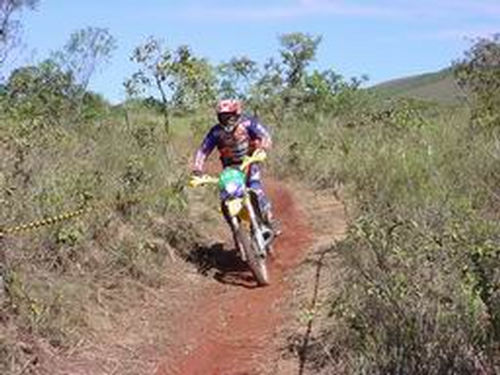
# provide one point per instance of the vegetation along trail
(109, 264)
(235, 327)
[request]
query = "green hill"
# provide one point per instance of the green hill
(436, 86)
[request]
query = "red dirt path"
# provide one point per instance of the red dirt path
(233, 329)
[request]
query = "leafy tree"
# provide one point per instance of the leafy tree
(10, 27)
(328, 91)
(478, 73)
(236, 77)
(195, 80)
(266, 92)
(84, 52)
(39, 94)
(177, 76)
(298, 50)
(285, 88)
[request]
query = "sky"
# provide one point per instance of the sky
(381, 38)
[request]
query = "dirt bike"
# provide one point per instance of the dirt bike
(252, 234)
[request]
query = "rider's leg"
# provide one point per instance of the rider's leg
(254, 181)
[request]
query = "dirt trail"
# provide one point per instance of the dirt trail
(233, 329)
(216, 325)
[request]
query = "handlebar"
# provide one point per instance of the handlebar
(196, 181)
(257, 157)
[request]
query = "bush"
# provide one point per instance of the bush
(134, 190)
(478, 73)
(421, 259)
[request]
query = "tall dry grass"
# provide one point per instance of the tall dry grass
(58, 280)
(421, 260)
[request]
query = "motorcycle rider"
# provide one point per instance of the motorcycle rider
(235, 137)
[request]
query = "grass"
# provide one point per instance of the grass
(132, 176)
(420, 261)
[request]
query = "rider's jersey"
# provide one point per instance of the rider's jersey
(247, 136)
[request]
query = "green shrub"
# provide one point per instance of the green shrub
(133, 188)
(421, 259)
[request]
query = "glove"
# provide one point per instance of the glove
(193, 179)
(260, 153)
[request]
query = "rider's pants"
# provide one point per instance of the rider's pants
(254, 181)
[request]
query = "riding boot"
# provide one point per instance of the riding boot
(273, 223)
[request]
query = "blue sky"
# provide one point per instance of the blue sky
(384, 39)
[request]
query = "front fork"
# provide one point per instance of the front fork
(261, 235)
(235, 225)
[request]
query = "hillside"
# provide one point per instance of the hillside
(437, 86)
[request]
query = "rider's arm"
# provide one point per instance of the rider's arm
(261, 138)
(204, 150)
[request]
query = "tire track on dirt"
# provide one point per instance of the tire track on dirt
(232, 330)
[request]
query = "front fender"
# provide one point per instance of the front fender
(234, 206)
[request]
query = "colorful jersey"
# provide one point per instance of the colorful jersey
(248, 136)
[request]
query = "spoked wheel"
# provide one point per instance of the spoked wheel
(257, 263)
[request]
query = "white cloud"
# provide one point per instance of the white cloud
(410, 8)
(240, 13)
(298, 9)
(464, 33)
(478, 7)
(348, 8)
(384, 9)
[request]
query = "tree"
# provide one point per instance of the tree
(297, 52)
(236, 77)
(478, 73)
(328, 91)
(266, 94)
(178, 77)
(10, 27)
(193, 80)
(39, 94)
(86, 50)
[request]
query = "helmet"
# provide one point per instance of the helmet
(228, 113)
(229, 106)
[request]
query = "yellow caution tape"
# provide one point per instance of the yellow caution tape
(26, 227)
(43, 222)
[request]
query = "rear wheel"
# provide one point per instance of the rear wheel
(256, 262)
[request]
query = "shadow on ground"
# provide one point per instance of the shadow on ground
(222, 264)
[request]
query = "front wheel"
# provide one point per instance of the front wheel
(256, 262)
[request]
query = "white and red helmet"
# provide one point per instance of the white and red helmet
(229, 106)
